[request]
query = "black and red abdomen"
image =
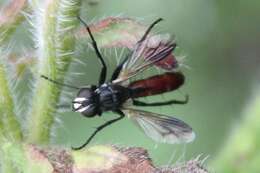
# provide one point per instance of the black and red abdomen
(157, 84)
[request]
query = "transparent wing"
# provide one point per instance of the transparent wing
(162, 128)
(144, 55)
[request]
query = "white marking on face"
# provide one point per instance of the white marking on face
(83, 109)
(80, 99)
(97, 90)
(76, 105)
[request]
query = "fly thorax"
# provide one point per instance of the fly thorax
(108, 98)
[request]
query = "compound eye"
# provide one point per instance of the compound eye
(85, 93)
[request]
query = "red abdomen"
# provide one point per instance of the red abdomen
(157, 84)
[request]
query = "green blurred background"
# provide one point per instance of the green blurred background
(220, 40)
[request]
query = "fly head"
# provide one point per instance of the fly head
(86, 102)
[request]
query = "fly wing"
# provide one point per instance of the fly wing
(145, 54)
(162, 128)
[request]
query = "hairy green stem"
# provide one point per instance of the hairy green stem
(7, 165)
(10, 18)
(11, 127)
(55, 22)
(14, 154)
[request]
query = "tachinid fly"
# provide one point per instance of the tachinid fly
(112, 95)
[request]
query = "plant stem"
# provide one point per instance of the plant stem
(54, 23)
(10, 18)
(10, 126)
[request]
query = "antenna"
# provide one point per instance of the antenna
(58, 83)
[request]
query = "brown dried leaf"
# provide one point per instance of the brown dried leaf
(106, 159)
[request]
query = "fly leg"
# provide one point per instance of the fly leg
(103, 74)
(149, 29)
(121, 115)
(118, 69)
(170, 102)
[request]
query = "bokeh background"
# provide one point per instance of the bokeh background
(220, 40)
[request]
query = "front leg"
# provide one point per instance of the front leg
(103, 74)
(99, 128)
(119, 68)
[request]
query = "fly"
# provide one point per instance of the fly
(112, 96)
